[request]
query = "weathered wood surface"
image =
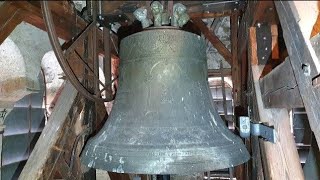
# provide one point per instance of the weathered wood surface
(301, 53)
(217, 72)
(236, 66)
(279, 88)
(49, 147)
(280, 160)
(10, 17)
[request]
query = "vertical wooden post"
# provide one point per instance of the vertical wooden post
(235, 65)
(280, 160)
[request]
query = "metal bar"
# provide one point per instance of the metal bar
(95, 57)
(107, 63)
(225, 111)
(80, 37)
(89, 68)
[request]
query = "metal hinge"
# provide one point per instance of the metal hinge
(256, 129)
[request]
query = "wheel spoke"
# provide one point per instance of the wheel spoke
(88, 67)
(71, 45)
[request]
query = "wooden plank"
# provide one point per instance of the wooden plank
(214, 40)
(48, 148)
(279, 88)
(256, 169)
(301, 53)
(281, 159)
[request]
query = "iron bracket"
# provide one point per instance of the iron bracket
(247, 128)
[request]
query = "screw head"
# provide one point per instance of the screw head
(306, 69)
(259, 25)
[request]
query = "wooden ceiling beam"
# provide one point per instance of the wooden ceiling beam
(10, 17)
(210, 14)
(214, 40)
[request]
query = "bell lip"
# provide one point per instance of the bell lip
(238, 149)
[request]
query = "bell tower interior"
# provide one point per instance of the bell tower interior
(159, 90)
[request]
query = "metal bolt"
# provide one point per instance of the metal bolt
(306, 69)
(259, 25)
(264, 38)
(119, 15)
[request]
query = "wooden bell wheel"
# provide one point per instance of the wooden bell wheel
(79, 57)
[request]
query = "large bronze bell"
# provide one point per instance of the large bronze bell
(163, 119)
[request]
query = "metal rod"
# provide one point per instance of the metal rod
(231, 173)
(80, 37)
(107, 62)
(88, 67)
(223, 92)
(95, 57)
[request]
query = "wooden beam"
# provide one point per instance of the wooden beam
(49, 146)
(279, 88)
(236, 66)
(214, 40)
(217, 72)
(281, 159)
(256, 12)
(301, 55)
(202, 15)
(257, 169)
(55, 147)
(10, 17)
